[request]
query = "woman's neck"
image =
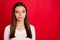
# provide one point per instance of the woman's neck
(20, 23)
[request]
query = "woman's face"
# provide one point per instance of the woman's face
(20, 13)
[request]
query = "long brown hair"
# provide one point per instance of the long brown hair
(14, 22)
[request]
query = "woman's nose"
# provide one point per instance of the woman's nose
(20, 14)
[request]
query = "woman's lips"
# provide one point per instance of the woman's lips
(20, 17)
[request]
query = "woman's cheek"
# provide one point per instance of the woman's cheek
(16, 16)
(24, 15)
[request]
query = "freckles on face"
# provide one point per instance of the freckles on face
(20, 12)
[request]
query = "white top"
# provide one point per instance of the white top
(20, 35)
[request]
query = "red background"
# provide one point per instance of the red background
(43, 14)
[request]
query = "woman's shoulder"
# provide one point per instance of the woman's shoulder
(32, 27)
(7, 28)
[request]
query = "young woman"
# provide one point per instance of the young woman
(19, 29)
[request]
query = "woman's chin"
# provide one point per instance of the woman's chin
(20, 19)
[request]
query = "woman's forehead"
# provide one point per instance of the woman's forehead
(20, 8)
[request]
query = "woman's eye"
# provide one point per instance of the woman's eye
(23, 11)
(16, 12)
